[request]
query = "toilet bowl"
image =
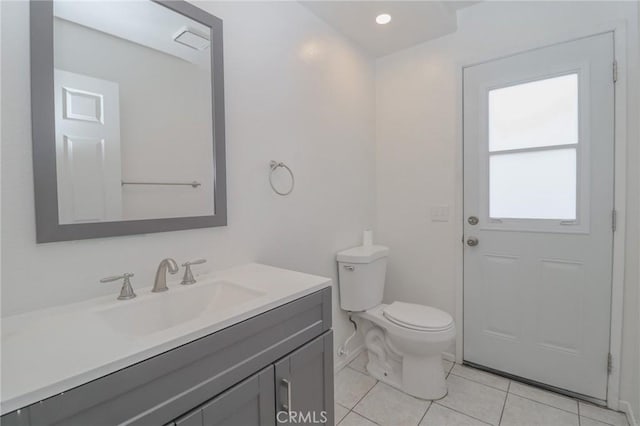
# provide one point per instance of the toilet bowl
(404, 341)
(412, 352)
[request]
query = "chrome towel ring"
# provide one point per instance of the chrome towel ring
(275, 165)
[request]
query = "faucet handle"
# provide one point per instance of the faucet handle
(188, 275)
(194, 262)
(126, 292)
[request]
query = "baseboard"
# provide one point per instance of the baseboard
(343, 361)
(449, 356)
(625, 407)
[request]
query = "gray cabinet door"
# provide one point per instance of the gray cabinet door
(304, 384)
(249, 403)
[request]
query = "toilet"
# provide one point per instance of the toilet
(404, 341)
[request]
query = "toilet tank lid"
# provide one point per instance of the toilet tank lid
(362, 254)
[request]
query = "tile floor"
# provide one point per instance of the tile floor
(475, 398)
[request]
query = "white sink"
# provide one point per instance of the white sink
(162, 311)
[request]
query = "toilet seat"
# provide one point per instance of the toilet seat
(418, 317)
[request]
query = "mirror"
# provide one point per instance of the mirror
(128, 118)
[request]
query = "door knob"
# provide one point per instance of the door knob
(472, 220)
(472, 241)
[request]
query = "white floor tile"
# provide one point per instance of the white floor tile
(474, 399)
(351, 386)
(546, 397)
(481, 377)
(355, 419)
(443, 416)
(340, 412)
(388, 406)
(520, 411)
(602, 414)
(360, 362)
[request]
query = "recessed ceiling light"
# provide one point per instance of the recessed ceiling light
(383, 18)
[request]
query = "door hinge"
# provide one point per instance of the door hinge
(609, 363)
(615, 71)
(614, 220)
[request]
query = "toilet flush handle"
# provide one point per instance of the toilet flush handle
(349, 267)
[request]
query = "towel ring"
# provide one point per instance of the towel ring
(275, 165)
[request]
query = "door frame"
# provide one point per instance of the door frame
(620, 187)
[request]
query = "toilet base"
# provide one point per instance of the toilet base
(421, 377)
(409, 361)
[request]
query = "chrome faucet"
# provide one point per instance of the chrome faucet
(188, 275)
(160, 283)
(126, 292)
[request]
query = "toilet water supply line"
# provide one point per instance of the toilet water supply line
(342, 350)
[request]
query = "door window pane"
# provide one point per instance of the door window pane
(534, 114)
(533, 185)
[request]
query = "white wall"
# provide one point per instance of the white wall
(295, 92)
(417, 132)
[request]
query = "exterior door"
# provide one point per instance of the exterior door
(304, 384)
(87, 148)
(538, 214)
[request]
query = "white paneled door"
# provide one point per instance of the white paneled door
(87, 148)
(538, 214)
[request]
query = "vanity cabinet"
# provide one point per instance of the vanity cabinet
(242, 375)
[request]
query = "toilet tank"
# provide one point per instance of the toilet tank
(361, 275)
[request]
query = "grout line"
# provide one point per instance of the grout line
(346, 408)
(449, 371)
(363, 396)
(343, 417)
(504, 404)
(425, 413)
(459, 412)
(484, 384)
(549, 405)
(365, 417)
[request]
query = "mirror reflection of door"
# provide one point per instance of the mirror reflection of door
(87, 148)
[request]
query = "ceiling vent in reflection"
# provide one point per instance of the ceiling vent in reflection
(192, 40)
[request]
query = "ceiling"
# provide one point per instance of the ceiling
(412, 22)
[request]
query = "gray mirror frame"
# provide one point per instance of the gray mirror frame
(48, 228)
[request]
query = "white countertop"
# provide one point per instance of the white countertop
(53, 350)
